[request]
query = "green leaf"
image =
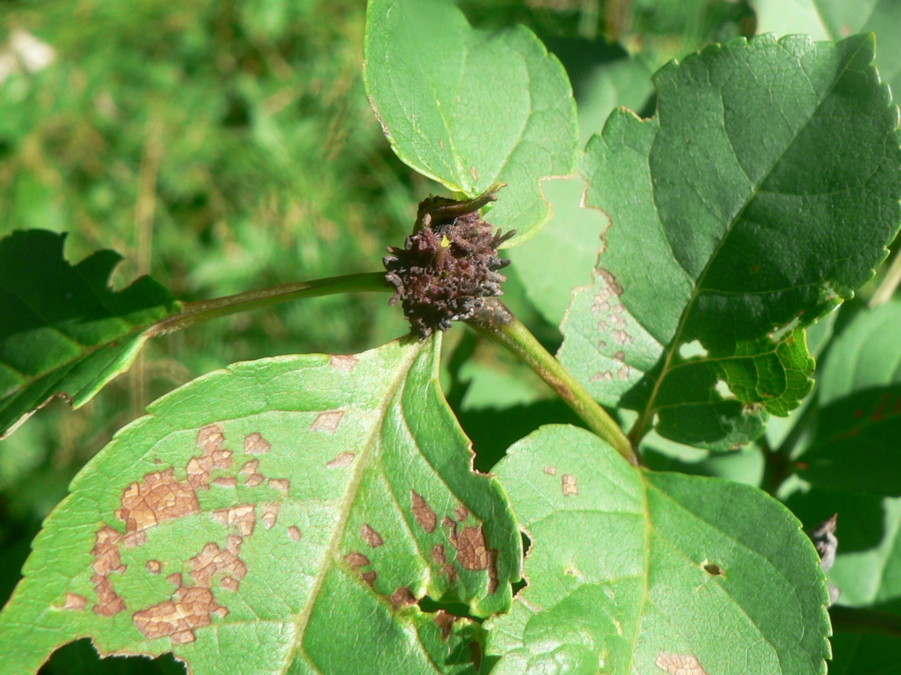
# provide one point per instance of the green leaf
(856, 445)
(63, 332)
(632, 571)
(763, 192)
(836, 19)
(280, 514)
(469, 108)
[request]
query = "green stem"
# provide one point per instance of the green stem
(889, 282)
(198, 312)
(497, 322)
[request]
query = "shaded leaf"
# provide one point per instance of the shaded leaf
(281, 514)
(857, 442)
(469, 108)
(63, 331)
(723, 211)
(637, 572)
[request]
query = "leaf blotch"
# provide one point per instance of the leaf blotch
(342, 461)
(550, 470)
(255, 444)
(327, 422)
(270, 515)
(242, 518)
(107, 559)
(371, 536)
(356, 559)
(251, 473)
(424, 514)
(402, 597)
(283, 485)
(462, 513)
(570, 487)
(344, 363)
(154, 500)
(445, 622)
(154, 566)
(295, 533)
(213, 560)
(679, 664)
(177, 619)
(75, 602)
(472, 552)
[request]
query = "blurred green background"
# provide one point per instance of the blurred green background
(226, 146)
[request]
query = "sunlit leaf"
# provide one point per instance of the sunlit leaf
(469, 108)
(283, 514)
(633, 571)
(760, 196)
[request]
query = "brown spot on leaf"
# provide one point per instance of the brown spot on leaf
(371, 536)
(472, 552)
(679, 664)
(342, 461)
(230, 583)
(294, 533)
(423, 513)
(154, 566)
(450, 571)
(451, 525)
(75, 602)
(439, 555)
(251, 473)
(214, 456)
(243, 518)
(107, 559)
(369, 577)
(270, 515)
(569, 485)
(356, 559)
(191, 608)
(283, 485)
(474, 172)
(327, 421)
(550, 470)
(445, 622)
(154, 500)
(402, 596)
(226, 481)
(344, 363)
(212, 560)
(493, 581)
(255, 444)
(462, 513)
(611, 281)
(175, 579)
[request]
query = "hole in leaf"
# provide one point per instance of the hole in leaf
(713, 569)
(688, 350)
(81, 657)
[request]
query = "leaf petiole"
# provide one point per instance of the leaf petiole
(497, 322)
(204, 310)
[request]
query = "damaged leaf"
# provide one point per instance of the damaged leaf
(63, 331)
(644, 572)
(723, 214)
(470, 108)
(292, 510)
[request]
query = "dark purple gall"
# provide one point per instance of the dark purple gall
(448, 265)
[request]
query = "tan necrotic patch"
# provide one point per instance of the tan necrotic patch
(107, 560)
(154, 566)
(402, 597)
(343, 363)
(270, 515)
(213, 560)
(423, 513)
(341, 461)
(472, 552)
(241, 518)
(371, 536)
(328, 421)
(75, 602)
(157, 498)
(177, 619)
(283, 485)
(679, 664)
(250, 473)
(255, 444)
(294, 533)
(570, 487)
